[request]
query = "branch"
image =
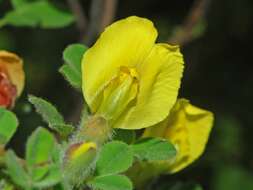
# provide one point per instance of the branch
(81, 20)
(96, 11)
(109, 13)
(195, 15)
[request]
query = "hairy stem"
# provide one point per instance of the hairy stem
(96, 11)
(185, 32)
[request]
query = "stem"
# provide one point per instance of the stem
(81, 20)
(196, 13)
(108, 14)
(96, 11)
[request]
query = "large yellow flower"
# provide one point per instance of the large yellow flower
(127, 78)
(188, 128)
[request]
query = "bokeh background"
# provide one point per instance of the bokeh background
(216, 40)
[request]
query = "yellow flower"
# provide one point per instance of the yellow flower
(129, 79)
(188, 128)
(11, 78)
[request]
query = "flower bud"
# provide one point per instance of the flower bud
(79, 160)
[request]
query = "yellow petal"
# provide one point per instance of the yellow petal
(13, 65)
(117, 95)
(159, 81)
(125, 43)
(188, 128)
(82, 149)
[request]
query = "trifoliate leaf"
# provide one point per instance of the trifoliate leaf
(38, 13)
(39, 150)
(115, 157)
(71, 70)
(51, 115)
(153, 149)
(15, 170)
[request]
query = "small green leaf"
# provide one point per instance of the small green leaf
(15, 170)
(39, 13)
(72, 55)
(115, 157)
(71, 76)
(153, 149)
(51, 115)
(111, 182)
(127, 136)
(50, 179)
(38, 152)
(8, 125)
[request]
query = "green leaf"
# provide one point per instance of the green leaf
(50, 179)
(39, 13)
(127, 136)
(47, 110)
(111, 182)
(51, 115)
(15, 170)
(153, 149)
(72, 55)
(115, 157)
(39, 149)
(71, 76)
(8, 125)
(18, 3)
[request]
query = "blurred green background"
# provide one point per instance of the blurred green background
(218, 77)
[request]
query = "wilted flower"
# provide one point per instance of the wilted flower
(11, 78)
